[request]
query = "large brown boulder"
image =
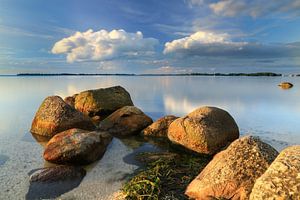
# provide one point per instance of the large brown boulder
(54, 116)
(160, 127)
(76, 146)
(282, 178)
(205, 130)
(232, 172)
(126, 121)
(103, 101)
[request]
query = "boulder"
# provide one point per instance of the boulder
(103, 101)
(160, 127)
(76, 146)
(282, 178)
(71, 100)
(286, 85)
(51, 182)
(126, 121)
(232, 172)
(206, 130)
(54, 116)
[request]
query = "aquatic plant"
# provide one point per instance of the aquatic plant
(165, 176)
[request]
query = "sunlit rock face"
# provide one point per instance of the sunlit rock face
(76, 146)
(205, 130)
(160, 127)
(128, 120)
(232, 172)
(103, 101)
(54, 116)
(282, 178)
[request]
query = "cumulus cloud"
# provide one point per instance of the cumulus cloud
(211, 44)
(254, 8)
(104, 45)
(202, 41)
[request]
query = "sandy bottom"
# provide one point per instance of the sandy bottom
(19, 155)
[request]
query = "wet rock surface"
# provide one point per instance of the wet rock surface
(102, 102)
(76, 146)
(160, 127)
(282, 178)
(54, 116)
(51, 182)
(206, 130)
(232, 172)
(128, 120)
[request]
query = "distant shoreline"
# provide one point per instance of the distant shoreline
(183, 74)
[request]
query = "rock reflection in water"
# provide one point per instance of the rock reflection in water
(51, 182)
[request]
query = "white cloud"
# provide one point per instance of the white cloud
(254, 8)
(104, 45)
(211, 44)
(201, 40)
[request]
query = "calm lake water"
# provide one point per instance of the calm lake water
(256, 103)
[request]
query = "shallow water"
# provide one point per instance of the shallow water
(257, 104)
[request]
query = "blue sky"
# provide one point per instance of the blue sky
(134, 36)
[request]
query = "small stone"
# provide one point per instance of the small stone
(160, 127)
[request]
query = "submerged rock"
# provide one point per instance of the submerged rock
(232, 172)
(126, 121)
(51, 182)
(54, 116)
(160, 127)
(57, 173)
(286, 85)
(282, 178)
(103, 101)
(205, 130)
(76, 146)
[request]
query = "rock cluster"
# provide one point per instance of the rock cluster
(82, 126)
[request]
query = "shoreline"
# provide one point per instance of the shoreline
(255, 74)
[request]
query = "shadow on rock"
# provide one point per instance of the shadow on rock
(52, 182)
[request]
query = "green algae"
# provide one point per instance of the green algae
(165, 176)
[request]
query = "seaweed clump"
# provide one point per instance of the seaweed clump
(165, 176)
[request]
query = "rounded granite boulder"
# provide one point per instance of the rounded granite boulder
(76, 146)
(282, 178)
(232, 172)
(102, 102)
(54, 116)
(206, 130)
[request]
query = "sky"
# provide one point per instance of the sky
(150, 36)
